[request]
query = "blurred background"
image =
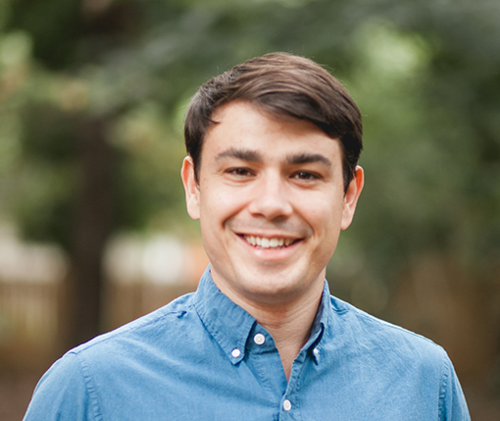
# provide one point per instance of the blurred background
(93, 228)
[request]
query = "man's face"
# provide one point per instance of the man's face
(271, 204)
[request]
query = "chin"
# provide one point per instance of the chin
(271, 291)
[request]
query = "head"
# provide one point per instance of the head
(284, 86)
(272, 177)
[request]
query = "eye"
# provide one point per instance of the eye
(239, 172)
(305, 175)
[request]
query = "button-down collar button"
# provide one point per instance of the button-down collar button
(259, 339)
(287, 405)
(235, 352)
(316, 351)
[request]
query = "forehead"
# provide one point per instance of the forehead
(244, 124)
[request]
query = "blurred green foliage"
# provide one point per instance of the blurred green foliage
(425, 74)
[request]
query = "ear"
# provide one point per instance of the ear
(191, 188)
(351, 197)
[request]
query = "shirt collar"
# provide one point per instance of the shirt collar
(322, 320)
(227, 322)
(230, 325)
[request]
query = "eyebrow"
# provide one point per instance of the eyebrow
(307, 158)
(243, 154)
(255, 156)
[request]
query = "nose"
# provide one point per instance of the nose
(271, 198)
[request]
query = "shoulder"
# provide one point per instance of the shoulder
(165, 316)
(76, 384)
(385, 339)
(62, 393)
(383, 353)
(140, 337)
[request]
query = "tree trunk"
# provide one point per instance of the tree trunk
(92, 226)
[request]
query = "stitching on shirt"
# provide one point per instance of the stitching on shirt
(444, 385)
(295, 393)
(373, 319)
(130, 327)
(445, 362)
(91, 389)
(260, 372)
(335, 304)
(201, 311)
(212, 330)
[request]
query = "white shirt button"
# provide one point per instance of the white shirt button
(259, 339)
(287, 405)
(235, 352)
(316, 351)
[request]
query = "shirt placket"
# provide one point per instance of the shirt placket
(265, 362)
(290, 406)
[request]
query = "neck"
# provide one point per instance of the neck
(289, 323)
(290, 329)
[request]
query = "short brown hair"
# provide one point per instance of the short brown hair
(283, 85)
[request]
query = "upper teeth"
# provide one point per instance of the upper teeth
(268, 242)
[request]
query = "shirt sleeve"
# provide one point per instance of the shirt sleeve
(452, 404)
(63, 394)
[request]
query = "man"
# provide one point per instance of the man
(272, 176)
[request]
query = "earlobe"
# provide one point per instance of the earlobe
(191, 188)
(351, 197)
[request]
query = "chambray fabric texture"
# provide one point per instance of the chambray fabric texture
(198, 358)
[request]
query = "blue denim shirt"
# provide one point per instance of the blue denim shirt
(202, 357)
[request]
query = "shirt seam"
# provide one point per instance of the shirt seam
(444, 385)
(90, 387)
(123, 330)
(373, 319)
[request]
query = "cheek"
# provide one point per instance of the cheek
(324, 214)
(219, 203)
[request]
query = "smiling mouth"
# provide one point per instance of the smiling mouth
(269, 243)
